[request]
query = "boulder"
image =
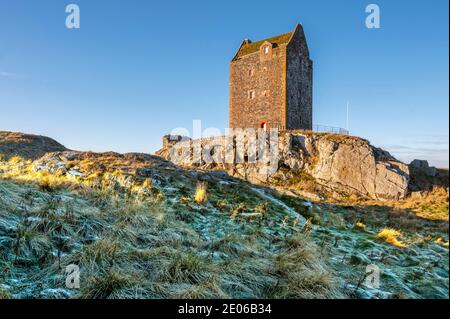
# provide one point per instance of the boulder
(75, 173)
(417, 195)
(423, 167)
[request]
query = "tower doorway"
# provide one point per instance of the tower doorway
(264, 125)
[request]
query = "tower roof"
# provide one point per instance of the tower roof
(249, 47)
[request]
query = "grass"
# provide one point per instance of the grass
(391, 236)
(201, 193)
(441, 241)
(102, 286)
(433, 205)
(304, 210)
(186, 268)
(304, 275)
(4, 294)
(297, 180)
(131, 238)
(413, 216)
(135, 228)
(26, 145)
(25, 172)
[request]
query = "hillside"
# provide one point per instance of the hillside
(139, 226)
(26, 146)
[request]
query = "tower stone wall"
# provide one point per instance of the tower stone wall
(271, 83)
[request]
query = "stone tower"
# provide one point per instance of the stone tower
(271, 83)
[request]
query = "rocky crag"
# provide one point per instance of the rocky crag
(340, 164)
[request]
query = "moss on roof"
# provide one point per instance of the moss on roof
(254, 46)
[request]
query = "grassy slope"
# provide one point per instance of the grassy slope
(138, 229)
(151, 241)
(26, 145)
(411, 251)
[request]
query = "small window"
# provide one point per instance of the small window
(251, 72)
(251, 94)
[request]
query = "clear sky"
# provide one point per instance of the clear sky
(137, 69)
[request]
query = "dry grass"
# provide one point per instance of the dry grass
(432, 206)
(132, 240)
(414, 215)
(391, 236)
(201, 193)
(303, 274)
(102, 286)
(360, 226)
(441, 241)
(297, 180)
(25, 172)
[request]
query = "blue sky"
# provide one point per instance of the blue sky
(137, 69)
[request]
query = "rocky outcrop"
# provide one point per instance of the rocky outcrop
(423, 167)
(349, 164)
(338, 163)
(423, 178)
(341, 163)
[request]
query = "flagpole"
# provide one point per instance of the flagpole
(347, 113)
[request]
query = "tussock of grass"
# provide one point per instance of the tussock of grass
(360, 226)
(390, 236)
(303, 273)
(297, 179)
(102, 286)
(234, 245)
(4, 294)
(311, 213)
(100, 253)
(201, 193)
(26, 172)
(186, 268)
(206, 289)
